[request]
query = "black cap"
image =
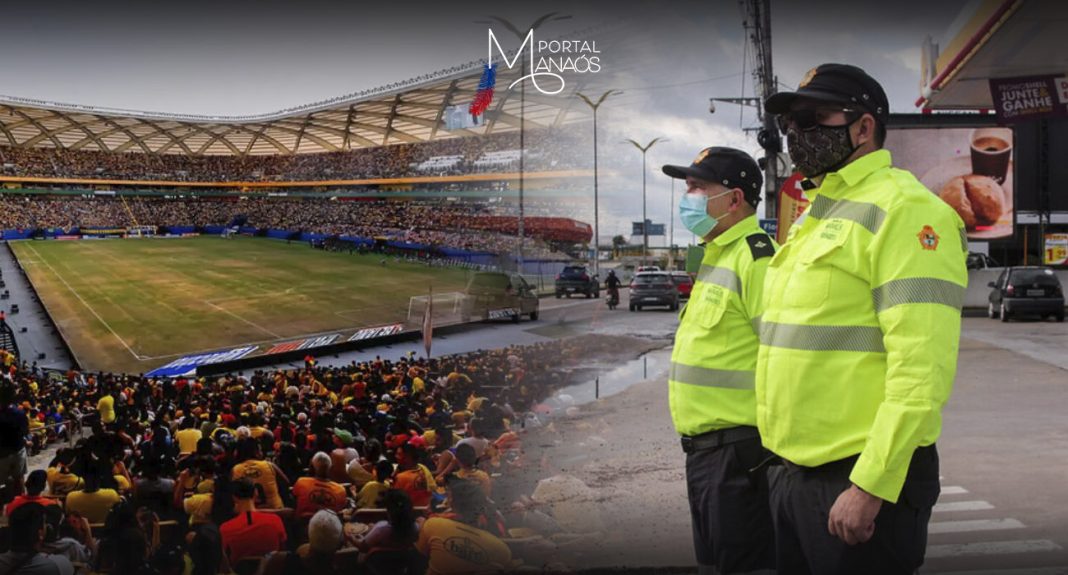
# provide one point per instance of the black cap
(838, 83)
(728, 166)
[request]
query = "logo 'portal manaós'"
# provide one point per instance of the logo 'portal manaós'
(544, 67)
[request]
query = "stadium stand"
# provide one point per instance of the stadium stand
(546, 150)
(464, 225)
(356, 440)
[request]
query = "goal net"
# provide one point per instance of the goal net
(447, 307)
(141, 232)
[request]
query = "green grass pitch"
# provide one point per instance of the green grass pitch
(133, 305)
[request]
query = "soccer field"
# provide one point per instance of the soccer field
(133, 305)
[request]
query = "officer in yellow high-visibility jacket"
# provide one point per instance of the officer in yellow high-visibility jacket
(711, 383)
(859, 339)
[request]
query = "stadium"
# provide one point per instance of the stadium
(257, 234)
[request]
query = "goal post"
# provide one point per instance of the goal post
(141, 231)
(446, 306)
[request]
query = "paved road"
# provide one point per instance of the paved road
(1004, 450)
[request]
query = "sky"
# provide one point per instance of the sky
(668, 57)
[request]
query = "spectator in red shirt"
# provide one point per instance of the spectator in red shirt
(35, 486)
(250, 533)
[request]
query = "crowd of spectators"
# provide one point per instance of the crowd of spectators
(547, 149)
(464, 225)
(376, 463)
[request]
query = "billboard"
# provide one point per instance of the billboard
(1056, 250)
(300, 344)
(970, 168)
(1029, 97)
(188, 365)
(654, 229)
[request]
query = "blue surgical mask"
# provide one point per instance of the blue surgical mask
(693, 209)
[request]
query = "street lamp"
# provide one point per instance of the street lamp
(596, 232)
(522, 103)
(645, 219)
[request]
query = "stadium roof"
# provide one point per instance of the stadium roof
(404, 112)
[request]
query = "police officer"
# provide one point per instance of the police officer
(859, 339)
(712, 365)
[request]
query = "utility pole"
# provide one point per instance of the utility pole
(758, 28)
(757, 25)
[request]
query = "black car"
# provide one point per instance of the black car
(653, 288)
(980, 261)
(577, 279)
(1026, 290)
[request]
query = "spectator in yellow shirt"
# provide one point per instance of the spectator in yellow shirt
(468, 459)
(371, 493)
(188, 436)
(92, 502)
(264, 474)
(445, 541)
(106, 408)
(61, 480)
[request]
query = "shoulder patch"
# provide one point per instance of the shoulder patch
(760, 246)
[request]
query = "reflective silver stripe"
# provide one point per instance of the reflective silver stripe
(707, 377)
(822, 337)
(756, 324)
(868, 215)
(963, 239)
(918, 290)
(721, 277)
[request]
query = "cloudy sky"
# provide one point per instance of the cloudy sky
(668, 57)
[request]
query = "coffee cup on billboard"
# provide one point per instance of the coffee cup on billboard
(991, 152)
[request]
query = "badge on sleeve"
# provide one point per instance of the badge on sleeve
(928, 238)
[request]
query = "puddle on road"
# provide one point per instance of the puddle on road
(649, 366)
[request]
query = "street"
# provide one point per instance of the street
(1004, 452)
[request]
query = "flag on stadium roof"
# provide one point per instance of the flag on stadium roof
(484, 95)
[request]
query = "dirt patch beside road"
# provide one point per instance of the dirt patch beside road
(625, 449)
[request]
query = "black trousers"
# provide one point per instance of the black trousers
(732, 529)
(801, 500)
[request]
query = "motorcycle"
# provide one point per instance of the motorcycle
(613, 298)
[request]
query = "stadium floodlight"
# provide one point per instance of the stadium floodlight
(645, 220)
(596, 231)
(522, 102)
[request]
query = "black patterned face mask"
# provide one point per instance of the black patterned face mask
(820, 150)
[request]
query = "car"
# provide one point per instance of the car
(980, 261)
(1023, 290)
(653, 288)
(499, 295)
(684, 283)
(577, 279)
(648, 269)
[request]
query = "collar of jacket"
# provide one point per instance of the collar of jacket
(737, 231)
(836, 183)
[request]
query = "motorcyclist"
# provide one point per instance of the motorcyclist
(612, 283)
